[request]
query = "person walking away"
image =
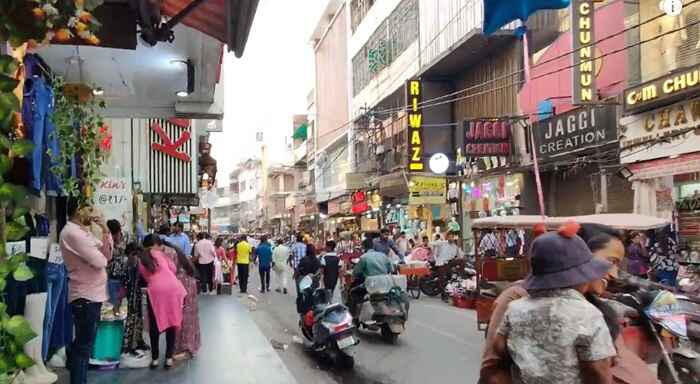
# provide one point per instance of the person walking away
(166, 297)
(188, 336)
(308, 265)
(298, 252)
(263, 255)
(180, 239)
(385, 245)
(86, 260)
(231, 259)
(280, 258)
(637, 256)
(243, 251)
(117, 268)
(372, 263)
(204, 255)
(403, 244)
(555, 335)
(330, 265)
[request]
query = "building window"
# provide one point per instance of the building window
(358, 11)
(393, 36)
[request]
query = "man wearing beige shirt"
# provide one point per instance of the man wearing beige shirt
(86, 259)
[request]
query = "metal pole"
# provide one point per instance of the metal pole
(604, 190)
(209, 220)
(460, 213)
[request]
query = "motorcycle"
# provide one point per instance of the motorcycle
(327, 327)
(454, 272)
(662, 327)
(384, 307)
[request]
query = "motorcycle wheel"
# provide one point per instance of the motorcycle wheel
(388, 335)
(688, 371)
(429, 286)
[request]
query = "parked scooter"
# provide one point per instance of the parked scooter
(455, 271)
(327, 327)
(385, 305)
(660, 329)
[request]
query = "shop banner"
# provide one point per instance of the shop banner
(113, 199)
(574, 131)
(427, 190)
(662, 90)
(485, 138)
(665, 132)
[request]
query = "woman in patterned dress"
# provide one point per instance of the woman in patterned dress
(188, 338)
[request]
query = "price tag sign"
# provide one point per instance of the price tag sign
(55, 255)
(14, 247)
(39, 247)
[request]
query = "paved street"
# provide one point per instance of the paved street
(441, 343)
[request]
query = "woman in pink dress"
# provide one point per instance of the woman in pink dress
(166, 296)
(188, 338)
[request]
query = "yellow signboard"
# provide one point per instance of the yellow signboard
(414, 92)
(427, 190)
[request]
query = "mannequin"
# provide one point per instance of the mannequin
(34, 313)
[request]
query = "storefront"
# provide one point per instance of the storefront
(660, 150)
(427, 212)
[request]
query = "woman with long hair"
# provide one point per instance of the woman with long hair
(166, 296)
(188, 337)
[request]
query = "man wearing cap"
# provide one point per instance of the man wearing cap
(555, 335)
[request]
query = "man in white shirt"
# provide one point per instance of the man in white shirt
(446, 250)
(280, 258)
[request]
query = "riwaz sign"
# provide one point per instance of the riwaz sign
(664, 89)
(669, 131)
(576, 130)
(414, 92)
(582, 21)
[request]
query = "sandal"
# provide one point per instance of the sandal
(154, 364)
(169, 363)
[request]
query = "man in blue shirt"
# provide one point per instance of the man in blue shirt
(298, 252)
(180, 239)
(263, 255)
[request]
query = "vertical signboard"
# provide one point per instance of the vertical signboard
(582, 25)
(414, 91)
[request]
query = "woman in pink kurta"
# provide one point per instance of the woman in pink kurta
(166, 296)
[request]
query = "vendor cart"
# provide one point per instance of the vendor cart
(414, 272)
(503, 242)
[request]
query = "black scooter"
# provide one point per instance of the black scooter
(327, 327)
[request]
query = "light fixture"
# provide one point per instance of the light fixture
(98, 91)
(190, 78)
(182, 94)
(625, 173)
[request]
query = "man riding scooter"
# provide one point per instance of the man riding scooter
(372, 263)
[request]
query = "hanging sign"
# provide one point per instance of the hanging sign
(487, 138)
(576, 130)
(359, 202)
(663, 90)
(414, 90)
(168, 146)
(582, 22)
(427, 190)
(113, 198)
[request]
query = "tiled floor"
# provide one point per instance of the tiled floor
(233, 351)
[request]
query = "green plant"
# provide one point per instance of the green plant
(15, 331)
(42, 21)
(79, 129)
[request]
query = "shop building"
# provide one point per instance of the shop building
(661, 107)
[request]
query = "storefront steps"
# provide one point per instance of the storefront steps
(234, 351)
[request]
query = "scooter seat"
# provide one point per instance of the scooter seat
(320, 312)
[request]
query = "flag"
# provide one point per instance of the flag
(498, 13)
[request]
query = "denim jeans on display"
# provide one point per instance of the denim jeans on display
(85, 316)
(40, 110)
(58, 325)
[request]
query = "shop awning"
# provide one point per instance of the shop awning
(228, 21)
(301, 133)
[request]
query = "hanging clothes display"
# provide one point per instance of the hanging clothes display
(58, 322)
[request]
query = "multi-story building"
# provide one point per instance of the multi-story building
(250, 194)
(281, 184)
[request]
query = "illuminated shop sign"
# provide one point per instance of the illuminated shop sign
(664, 89)
(414, 91)
(584, 90)
(487, 138)
(576, 130)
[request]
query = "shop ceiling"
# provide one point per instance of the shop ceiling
(144, 82)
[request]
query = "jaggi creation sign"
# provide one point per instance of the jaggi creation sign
(414, 91)
(576, 130)
(487, 138)
(583, 90)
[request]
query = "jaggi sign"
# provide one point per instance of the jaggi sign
(487, 138)
(576, 130)
(414, 91)
(583, 90)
